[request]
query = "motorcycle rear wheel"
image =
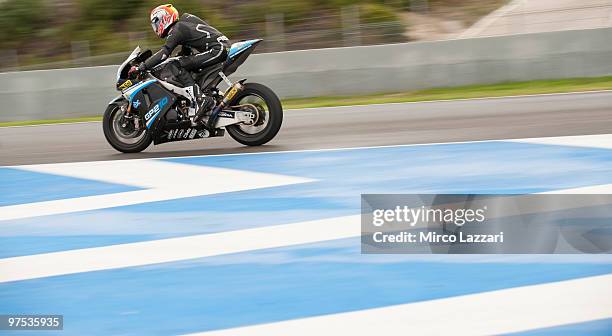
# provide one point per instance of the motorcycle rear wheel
(121, 138)
(269, 112)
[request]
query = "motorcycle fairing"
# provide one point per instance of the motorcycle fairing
(124, 67)
(150, 100)
(238, 53)
(136, 56)
(130, 93)
(239, 47)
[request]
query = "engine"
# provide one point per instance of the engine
(178, 117)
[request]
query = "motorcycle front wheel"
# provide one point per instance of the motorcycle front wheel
(121, 133)
(269, 115)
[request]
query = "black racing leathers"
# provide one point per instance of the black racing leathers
(202, 45)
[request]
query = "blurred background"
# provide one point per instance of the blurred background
(38, 34)
(45, 34)
(417, 45)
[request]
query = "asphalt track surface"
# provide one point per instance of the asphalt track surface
(342, 127)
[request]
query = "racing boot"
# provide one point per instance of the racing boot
(204, 104)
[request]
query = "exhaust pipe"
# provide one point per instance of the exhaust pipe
(227, 99)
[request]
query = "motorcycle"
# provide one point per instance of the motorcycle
(154, 107)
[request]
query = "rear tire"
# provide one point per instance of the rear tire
(274, 115)
(115, 140)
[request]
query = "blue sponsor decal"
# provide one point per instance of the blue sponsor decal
(136, 103)
(239, 47)
(135, 89)
(154, 112)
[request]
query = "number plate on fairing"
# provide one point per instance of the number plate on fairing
(125, 85)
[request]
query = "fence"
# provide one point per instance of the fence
(64, 93)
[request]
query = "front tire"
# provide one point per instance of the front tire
(121, 139)
(270, 116)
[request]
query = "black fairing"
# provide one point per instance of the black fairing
(150, 99)
(165, 125)
(231, 65)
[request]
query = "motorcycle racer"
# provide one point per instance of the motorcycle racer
(201, 46)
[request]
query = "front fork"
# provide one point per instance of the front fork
(128, 116)
(234, 88)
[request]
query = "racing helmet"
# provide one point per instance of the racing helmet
(162, 18)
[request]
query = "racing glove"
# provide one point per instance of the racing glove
(138, 71)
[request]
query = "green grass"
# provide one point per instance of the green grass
(464, 92)
(49, 121)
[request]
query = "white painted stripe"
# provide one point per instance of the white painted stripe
(135, 172)
(192, 247)
(322, 149)
(490, 313)
(184, 248)
(147, 173)
(592, 141)
(176, 249)
(604, 189)
(162, 180)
